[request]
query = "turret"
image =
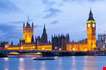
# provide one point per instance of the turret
(44, 38)
(27, 32)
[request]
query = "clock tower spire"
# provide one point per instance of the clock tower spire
(91, 32)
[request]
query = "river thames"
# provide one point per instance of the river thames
(61, 63)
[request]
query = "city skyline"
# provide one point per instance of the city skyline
(54, 16)
(52, 34)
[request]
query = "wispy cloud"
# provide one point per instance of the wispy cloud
(52, 12)
(55, 22)
(51, 8)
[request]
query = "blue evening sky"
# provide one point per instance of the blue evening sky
(59, 16)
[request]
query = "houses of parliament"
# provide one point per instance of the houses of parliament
(58, 42)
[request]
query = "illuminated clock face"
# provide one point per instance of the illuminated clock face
(88, 25)
(93, 25)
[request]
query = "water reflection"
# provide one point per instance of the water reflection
(59, 67)
(90, 63)
(21, 64)
(6, 64)
(43, 67)
(63, 63)
(6, 59)
(73, 63)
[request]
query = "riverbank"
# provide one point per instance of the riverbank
(60, 53)
(3, 55)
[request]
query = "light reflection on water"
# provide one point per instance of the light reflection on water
(73, 63)
(21, 64)
(59, 67)
(6, 64)
(43, 67)
(91, 64)
(62, 63)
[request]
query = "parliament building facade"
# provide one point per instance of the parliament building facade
(30, 42)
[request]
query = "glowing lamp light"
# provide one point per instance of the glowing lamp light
(85, 50)
(43, 48)
(33, 47)
(6, 46)
(56, 48)
(74, 49)
(60, 49)
(21, 48)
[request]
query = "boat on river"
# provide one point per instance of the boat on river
(45, 58)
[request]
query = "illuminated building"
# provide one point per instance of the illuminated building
(27, 33)
(58, 42)
(28, 43)
(90, 45)
(91, 32)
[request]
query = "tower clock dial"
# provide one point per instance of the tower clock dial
(89, 25)
(93, 25)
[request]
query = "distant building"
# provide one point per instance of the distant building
(101, 42)
(2, 44)
(60, 42)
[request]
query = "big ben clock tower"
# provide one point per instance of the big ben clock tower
(91, 32)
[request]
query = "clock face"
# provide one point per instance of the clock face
(88, 25)
(93, 25)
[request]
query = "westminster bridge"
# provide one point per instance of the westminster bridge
(54, 52)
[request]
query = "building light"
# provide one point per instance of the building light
(85, 49)
(6, 46)
(60, 49)
(43, 48)
(73, 49)
(56, 48)
(21, 48)
(33, 47)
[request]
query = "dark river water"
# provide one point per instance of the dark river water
(61, 63)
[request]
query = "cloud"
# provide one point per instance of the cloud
(81, 0)
(55, 22)
(7, 6)
(51, 8)
(48, 2)
(52, 12)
